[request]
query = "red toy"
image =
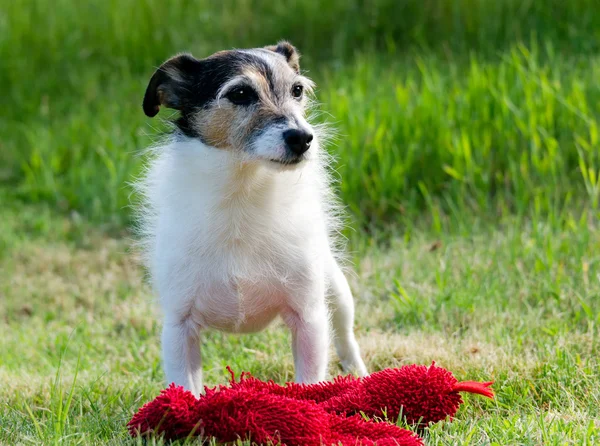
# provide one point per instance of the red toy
(347, 411)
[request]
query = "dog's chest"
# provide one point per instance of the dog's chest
(238, 306)
(248, 280)
(236, 262)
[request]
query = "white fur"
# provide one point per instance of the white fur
(232, 243)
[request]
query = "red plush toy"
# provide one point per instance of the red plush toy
(347, 411)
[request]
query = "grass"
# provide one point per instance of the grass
(513, 302)
(468, 157)
(495, 101)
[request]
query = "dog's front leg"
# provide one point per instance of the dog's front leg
(181, 354)
(310, 336)
(342, 317)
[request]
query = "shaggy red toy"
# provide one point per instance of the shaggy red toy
(316, 414)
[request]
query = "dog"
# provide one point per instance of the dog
(239, 222)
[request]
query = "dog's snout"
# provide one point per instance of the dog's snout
(298, 140)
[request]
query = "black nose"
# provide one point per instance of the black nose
(297, 140)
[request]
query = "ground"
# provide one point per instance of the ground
(512, 303)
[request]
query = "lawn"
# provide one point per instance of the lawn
(468, 156)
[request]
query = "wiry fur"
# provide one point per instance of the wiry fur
(232, 240)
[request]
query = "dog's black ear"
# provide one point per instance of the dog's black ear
(169, 83)
(289, 51)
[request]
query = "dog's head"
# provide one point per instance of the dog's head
(251, 102)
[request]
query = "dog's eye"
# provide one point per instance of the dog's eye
(242, 96)
(297, 91)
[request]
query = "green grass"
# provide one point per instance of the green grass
(468, 156)
(485, 106)
(511, 302)
(488, 137)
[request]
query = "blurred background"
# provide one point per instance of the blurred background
(467, 156)
(441, 106)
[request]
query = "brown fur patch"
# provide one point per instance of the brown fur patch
(215, 126)
(228, 127)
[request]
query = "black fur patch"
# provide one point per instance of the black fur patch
(186, 84)
(165, 88)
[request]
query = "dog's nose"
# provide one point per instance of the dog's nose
(298, 140)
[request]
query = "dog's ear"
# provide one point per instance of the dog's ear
(289, 51)
(169, 83)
